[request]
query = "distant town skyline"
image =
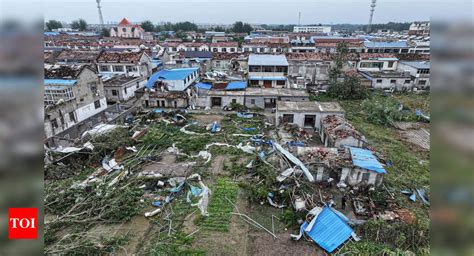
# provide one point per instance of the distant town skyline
(254, 12)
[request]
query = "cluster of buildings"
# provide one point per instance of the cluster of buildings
(86, 75)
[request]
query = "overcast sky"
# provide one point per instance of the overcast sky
(253, 11)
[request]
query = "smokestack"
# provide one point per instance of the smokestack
(372, 9)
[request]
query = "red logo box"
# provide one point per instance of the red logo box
(22, 223)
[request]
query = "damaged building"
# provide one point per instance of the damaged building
(72, 94)
(306, 114)
(336, 131)
(137, 64)
(121, 88)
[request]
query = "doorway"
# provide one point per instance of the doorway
(267, 84)
(216, 101)
(309, 121)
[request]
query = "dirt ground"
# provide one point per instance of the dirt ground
(417, 134)
(207, 118)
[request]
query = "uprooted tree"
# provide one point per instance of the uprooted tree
(344, 87)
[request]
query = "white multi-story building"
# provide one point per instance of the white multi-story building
(421, 28)
(312, 29)
(419, 71)
(268, 71)
(178, 79)
(72, 94)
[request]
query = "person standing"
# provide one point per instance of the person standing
(343, 201)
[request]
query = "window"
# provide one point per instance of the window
(390, 64)
(379, 81)
(281, 69)
(232, 49)
(104, 68)
(54, 123)
(72, 117)
(254, 82)
(365, 177)
(252, 101)
(118, 68)
(131, 68)
(287, 118)
(267, 69)
(97, 104)
(407, 81)
(234, 101)
(422, 82)
(393, 81)
(281, 82)
(224, 49)
(125, 90)
(255, 69)
(214, 49)
(124, 30)
(371, 64)
(114, 92)
(92, 86)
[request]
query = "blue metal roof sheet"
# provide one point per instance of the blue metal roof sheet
(330, 231)
(170, 74)
(67, 82)
(275, 78)
(236, 85)
(204, 86)
(397, 44)
(365, 159)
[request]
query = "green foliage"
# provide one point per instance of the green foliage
(237, 106)
(53, 24)
(385, 111)
(219, 207)
(79, 24)
(397, 235)
(105, 32)
(339, 59)
(349, 89)
(148, 26)
(240, 27)
(180, 26)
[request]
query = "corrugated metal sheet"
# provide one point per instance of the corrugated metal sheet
(270, 78)
(170, 74)
(267, 60)
(396, 44)
(59, 82)
(204, 86)
(236, 85)
(329, 231)
(365, 159)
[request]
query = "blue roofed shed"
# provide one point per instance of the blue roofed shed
(364, 158)
(329, 230)
(204, 86)
(179, 78)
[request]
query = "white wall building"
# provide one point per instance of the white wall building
(127, 30)
(268, 71)
(178, 79)
(419, 71)
(312, 29)
(135, 64)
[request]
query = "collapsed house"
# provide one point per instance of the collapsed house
(348, 166)
(336, 131)
(306, 114)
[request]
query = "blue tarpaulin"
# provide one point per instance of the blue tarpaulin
(214, 128)
(236, 85)
(330, 231)
(296, 143)
(365, 159)
(158, 110)
(204, 86)
(243, 115)
(248, 129)
(157, 203)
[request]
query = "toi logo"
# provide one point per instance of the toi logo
(22, 223)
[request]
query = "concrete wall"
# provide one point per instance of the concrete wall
(354, 177)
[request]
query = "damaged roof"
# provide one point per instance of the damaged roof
(308, 106)
(364, 158)
(338, 127)
(121, 57)
(64, 71)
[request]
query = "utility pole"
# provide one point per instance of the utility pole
(299, 19)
